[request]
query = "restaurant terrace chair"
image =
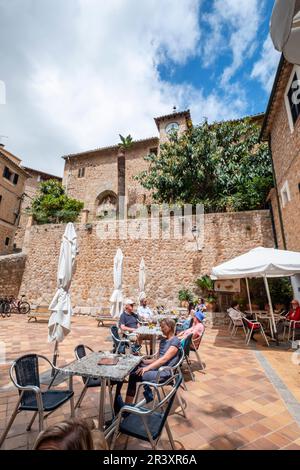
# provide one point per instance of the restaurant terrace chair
(291, 325)
(195, 344)
(254, 326)
(24, 374)
(119, 344)
(89, 382)
(186, 349)
(144, 423)
(236, 324)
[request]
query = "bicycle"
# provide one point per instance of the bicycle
(19, 306)
(4, 307)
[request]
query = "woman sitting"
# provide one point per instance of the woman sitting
(196, 329)
(148, 369)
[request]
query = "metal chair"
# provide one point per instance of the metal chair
(119, 344)
(144, 423)
(24, 374)
(236, 324)
(186, 349)
(292, 326)
(254, 326)
(173, 370)
(90, 382)
(194, 348)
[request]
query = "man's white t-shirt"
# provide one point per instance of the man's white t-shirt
(145, 313)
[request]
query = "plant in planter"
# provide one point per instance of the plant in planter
(185, 296)
(206, 286)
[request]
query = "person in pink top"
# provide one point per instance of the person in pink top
(196, 329)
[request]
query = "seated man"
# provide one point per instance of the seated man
(235, 313)
(196, 329)
(128, 322)
(148, 369)
(144, 312)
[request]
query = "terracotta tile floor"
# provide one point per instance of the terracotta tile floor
(233, 405)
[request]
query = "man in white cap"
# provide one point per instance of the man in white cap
(129, 322)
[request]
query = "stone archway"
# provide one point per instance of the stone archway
(106, 205)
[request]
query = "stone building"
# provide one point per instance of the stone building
(99, 177)
(281, 127)
(35, 177)
(12, 183)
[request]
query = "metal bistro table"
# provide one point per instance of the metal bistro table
(152, 332)
(88, 367)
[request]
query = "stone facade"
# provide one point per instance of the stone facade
(285, 146)
(11, 273)
(93, 175)
(170, 263)
(12, 183)
(35, 177)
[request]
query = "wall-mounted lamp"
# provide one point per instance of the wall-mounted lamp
(196, 235)
(88, 227)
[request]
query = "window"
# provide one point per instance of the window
(0, 198)
(7, 240)
(153, 150)
(81, 172)
(285, 194)
(16, 178)
(7, 174)
(292, 97)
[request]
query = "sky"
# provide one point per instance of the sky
(74, 74)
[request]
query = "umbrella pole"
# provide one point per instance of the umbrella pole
(271, 308)
(249, 298)
(55, 356)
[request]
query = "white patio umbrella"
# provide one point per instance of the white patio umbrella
(285, 29)
(59, 325)
(260, 262)
(117, 295)
(142, 279)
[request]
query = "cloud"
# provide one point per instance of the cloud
(233, 27)
(79, 72)
(265, 68)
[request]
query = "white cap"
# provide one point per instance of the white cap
(129, 301)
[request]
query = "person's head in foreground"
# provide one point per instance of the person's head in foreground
(167, 327)
(73, 434)
(128, 305)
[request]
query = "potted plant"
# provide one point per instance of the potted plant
(211, 302)
(185, 296)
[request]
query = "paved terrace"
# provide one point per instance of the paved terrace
(248, 397)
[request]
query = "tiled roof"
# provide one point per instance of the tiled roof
(26, 168)
(185, 114)
(111, 147)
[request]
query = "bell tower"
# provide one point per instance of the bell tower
(177, 121)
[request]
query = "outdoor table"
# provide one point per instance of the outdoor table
(163, 316)
(88, 367)
(153, 332)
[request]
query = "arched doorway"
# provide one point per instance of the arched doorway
(106, 205)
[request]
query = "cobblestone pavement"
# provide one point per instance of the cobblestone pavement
(247, 397)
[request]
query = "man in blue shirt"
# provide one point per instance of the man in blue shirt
(129, 323)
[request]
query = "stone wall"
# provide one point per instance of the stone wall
(11, 272)
(170, 264)
(286, 157)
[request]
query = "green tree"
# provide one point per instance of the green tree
(52, 205)
(126, 143)
(221, 165)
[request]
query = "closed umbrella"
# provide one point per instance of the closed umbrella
(285, 29)
(59, 324)
(117, 295)
(142, 279)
